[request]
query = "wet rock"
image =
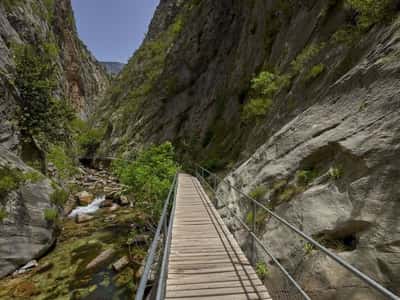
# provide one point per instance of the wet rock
(84, 198)
(106, 203)
(101, 259)
(123, 201)
(121, 264)
(44, 268)
(83, 218)
(28, 267)
(114, 207)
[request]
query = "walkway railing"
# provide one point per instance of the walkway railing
(157, 256)
(213, 181)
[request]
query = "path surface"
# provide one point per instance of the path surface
(205, 261)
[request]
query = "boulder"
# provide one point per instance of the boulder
(83, 218)
(106, 203)
(100, 259)
(84, 198)
(24, 233)
(123, 201)
(120, 264)
(114, 207)
(28, 267)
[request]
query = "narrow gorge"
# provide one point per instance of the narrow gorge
(294, 103)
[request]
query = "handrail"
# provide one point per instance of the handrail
(276, 261)
(151, 254)
(371, 282)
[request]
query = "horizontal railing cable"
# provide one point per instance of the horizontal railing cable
(151, 254)
(372, 283)
(283, 270)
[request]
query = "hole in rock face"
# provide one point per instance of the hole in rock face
(342, 244)
(344, 237)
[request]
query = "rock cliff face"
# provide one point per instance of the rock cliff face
(313, 88)
(24, 231)
(82, 81)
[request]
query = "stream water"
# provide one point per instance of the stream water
(90, 209)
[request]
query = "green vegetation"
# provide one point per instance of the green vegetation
(335, 173)
(65, 164)
(88, 137)
(371, 12)
(50, 215)
(305, 177)
(59, 197)
(263, 88)
(262, 270)
(33, 177)
(258, 192)
(305, 57)
(8, 4)
(287, 193)
(308, 248)
(149, 177)
(3, 214)
(42, 116)
(256, 108)
(10, 179)
(314, 72)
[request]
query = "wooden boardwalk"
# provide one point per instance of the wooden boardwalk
(205, 261)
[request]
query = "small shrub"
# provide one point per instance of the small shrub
(263, 88)
(50, 215)
(288, 193)
(59, 197)
(33, 177)
(65, 165)
(256, 108)
(314, 72)
(90, 139)
(10, 179)
(305, 177)
(306, 56)
(335, 173)
(258, 192)
(371, 12)
(262, 270)
(3, 214)
(308, 248)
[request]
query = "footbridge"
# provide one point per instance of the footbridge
(194, 255)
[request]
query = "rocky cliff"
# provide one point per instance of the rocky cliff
(313, 88)
(45, 70)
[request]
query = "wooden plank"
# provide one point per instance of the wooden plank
(205, 261)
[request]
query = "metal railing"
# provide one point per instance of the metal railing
(163, 234)
(204, 175)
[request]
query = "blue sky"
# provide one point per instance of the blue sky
(113, 29)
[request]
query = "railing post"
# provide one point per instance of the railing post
(253, 229)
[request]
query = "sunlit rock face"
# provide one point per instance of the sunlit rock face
(25, 233)
(82, 80)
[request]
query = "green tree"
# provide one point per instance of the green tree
(149, 177)
(43, 117)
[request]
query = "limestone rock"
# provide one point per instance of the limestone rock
(84, 198)
(83, 218)
(26, 268)
(24, 234)
(101, 259)
(121, 264)
(123, 201)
